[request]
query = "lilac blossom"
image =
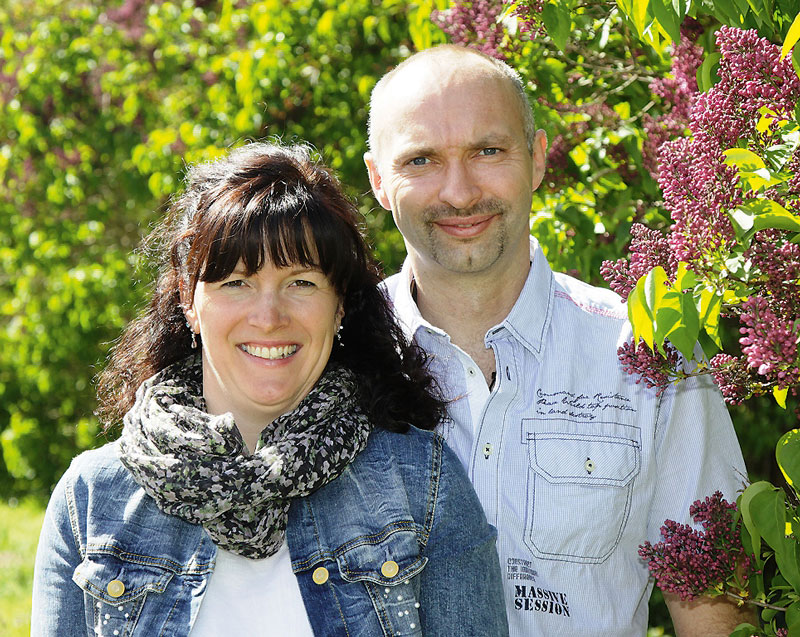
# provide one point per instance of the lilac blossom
(690, 562)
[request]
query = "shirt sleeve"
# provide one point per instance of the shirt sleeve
(697, 452)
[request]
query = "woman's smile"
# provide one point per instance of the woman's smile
(269, 352)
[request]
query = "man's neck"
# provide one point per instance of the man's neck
(466, 306)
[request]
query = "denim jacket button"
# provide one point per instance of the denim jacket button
(320, 575)
(390, 569)
(115, 588)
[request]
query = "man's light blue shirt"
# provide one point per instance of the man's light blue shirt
(574, 462)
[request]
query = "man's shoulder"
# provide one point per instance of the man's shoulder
(589, 298)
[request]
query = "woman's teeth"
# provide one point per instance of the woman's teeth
(270, 353)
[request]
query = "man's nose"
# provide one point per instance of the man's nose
(269, 311)
(459, 188)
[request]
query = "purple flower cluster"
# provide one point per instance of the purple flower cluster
(653, 370)
(699, 190)
(752, 75)
(676, 92)
(689, 562)
(648, 249)
(732, 377)
(474, 23)
(528, 13)
(769, 342)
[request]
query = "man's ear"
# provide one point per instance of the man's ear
(375, 181)
(539, 157)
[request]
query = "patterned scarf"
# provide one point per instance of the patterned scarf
(196, 466)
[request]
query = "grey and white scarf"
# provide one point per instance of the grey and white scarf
(196, 466)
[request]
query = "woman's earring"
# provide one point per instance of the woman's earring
(194, 334)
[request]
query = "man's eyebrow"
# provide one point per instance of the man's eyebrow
(415, 151)
(491, 140)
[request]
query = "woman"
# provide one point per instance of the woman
(267, 481)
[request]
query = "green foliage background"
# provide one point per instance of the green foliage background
(100, 109)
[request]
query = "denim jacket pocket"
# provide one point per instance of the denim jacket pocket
(115, 590)
(580, 484)
(371, 576)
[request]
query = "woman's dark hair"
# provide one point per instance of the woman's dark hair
(267, 202)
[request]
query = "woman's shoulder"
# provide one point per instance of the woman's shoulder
(98, 470)
(418, 446)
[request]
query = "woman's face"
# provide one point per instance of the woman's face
(266, 339)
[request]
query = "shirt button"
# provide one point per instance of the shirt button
(390, 569)
(115, 588)
(589, 465)
(487, 450)
(320, 575)
(471, 371)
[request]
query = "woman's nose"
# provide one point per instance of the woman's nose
(269, 312)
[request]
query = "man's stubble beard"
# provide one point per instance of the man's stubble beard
(467, 256)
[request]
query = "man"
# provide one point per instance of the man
(574, 463)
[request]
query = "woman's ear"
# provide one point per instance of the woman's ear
(187, 304)
(339, 316)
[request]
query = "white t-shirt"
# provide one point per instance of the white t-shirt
(252, 597)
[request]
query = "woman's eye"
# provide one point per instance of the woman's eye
(302, 283)
(234, 283)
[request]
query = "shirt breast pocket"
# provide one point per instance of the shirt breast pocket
(580, 483)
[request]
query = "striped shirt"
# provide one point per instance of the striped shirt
(574, 462)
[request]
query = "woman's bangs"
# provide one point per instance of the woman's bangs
(285, 232)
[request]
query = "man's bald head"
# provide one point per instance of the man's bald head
(441, 62)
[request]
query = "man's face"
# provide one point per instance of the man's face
(452, 164)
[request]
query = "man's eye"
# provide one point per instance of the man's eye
(419, 161)
(489, 151)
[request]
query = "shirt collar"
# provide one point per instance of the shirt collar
(527, 321)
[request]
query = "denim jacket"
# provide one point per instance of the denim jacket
(110, 562)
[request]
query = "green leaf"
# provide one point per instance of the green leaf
(793, 613)
(744, 630)
(796, 60)
(640, 315)
(557, 22)
(759, 214)
(768, 512)
(684, 335)
(655, 287)
(745, 506)
(668, 17)
(743, 159)
(636, 10)
(710, 304)
(791, 37)
(780, 395)
(787, 453)
(684, 278)
(707, 74)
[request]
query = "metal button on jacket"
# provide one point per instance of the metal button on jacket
(390, 568)
(115, 588)
(320, 575)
